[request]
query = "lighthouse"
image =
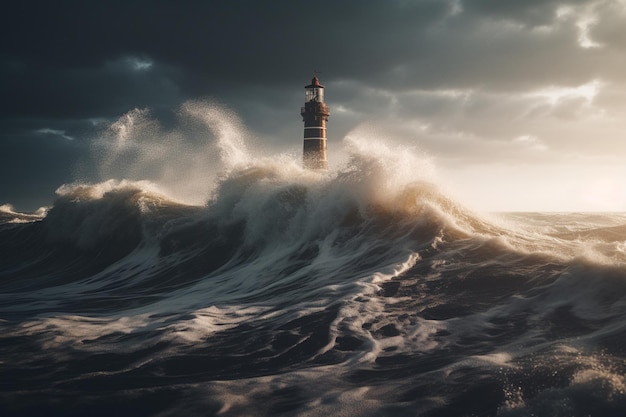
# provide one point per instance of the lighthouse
(315, 115)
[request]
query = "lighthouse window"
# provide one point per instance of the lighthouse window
(314, 94)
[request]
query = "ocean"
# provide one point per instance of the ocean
(364, 291)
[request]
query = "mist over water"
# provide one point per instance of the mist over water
(201, 277)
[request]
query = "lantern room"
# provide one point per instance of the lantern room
(314, 91)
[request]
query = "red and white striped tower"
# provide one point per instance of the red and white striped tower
(315, 115)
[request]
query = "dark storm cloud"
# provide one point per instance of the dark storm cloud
(71, 51)
(35, 164)
(528, 12)
(75, 59)
(105, 91)
(238, 41)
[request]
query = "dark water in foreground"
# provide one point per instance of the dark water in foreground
(302, 296)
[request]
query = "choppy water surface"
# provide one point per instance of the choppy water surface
(361, 292)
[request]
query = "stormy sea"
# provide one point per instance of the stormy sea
(362, 291)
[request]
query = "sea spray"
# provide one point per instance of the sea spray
(206, 141)
(364, 291)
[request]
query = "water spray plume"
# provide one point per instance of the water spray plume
(207, 141)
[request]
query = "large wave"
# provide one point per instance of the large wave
(366, 289)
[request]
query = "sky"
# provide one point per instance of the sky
(519, 104)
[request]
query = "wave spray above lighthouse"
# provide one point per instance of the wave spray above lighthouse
(315, 114)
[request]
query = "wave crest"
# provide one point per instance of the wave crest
(111, 213)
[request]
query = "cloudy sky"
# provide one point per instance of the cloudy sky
(520, 104)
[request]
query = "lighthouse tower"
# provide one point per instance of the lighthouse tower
(315, 115)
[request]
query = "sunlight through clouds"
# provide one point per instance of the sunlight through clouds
(531, 142)
(604, 193)
(556, 95)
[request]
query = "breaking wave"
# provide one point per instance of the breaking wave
(363, 291)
